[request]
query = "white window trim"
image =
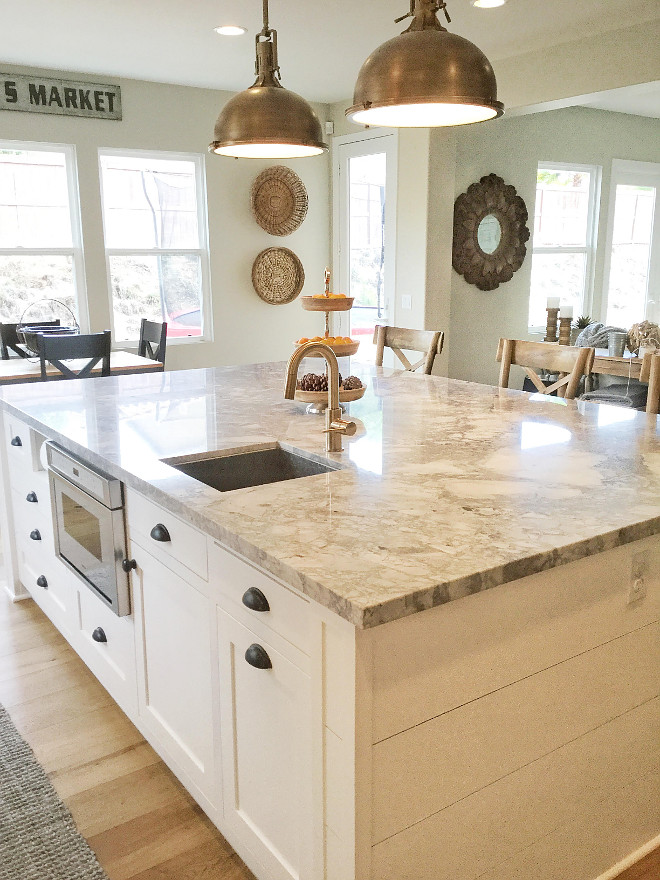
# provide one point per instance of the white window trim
(204, 252)
(631, 172)
(591, 238)
(76, 249)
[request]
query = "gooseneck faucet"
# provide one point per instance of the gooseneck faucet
(335, 426)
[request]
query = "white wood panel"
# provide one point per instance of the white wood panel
(176, 630)
(112, 662)
(494, 824)
(266, 750)
(430, 663)
(339, 865)
(422, 770)
(586, 847)
(186, 546)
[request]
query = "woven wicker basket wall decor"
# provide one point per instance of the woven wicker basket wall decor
(279, 200)
(277, 275)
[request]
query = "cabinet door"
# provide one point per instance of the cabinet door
(176, 630)
(266, 748)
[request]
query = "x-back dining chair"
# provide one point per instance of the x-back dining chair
(153, 340)
(650, 372)
(9, 339)
(569, 361)
(92, 347)
(428, 342)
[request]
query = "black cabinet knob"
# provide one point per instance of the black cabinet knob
(16, 441)
(160, 533)
(128, 565)
(255, 600)
(31, 497)
(258, 657)
(98, 635)
(35, 534)
(42, 582)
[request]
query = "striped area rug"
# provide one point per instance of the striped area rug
(38, 838)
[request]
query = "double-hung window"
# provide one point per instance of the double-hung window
(40, 240)
(156, 242)
(564, 243)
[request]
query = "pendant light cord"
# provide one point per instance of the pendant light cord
(265, 31)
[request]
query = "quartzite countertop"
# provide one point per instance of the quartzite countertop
(449, 487)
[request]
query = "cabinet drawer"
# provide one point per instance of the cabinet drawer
(179, 541)
(50, 585)
(34, 483)
(107, 645)
(17, 441)
(246, 587)
(30, 519)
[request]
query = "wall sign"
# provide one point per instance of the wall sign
(40, 94)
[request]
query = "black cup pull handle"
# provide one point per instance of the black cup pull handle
(99, 636)
(128, 565)
(16, 441)
(255, 600)
(42, 582)
(31, 497)
(258, 657)
(160, 533)
(35, 534)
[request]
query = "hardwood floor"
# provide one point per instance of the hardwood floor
(138, 819)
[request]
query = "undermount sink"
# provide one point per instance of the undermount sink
(253, 468)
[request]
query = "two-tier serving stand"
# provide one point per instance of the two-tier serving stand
(318, 400)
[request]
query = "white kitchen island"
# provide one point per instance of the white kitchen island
(462, 624)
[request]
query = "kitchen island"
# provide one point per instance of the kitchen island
(463, 620)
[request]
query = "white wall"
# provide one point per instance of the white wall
(512, 148)
(166, 117)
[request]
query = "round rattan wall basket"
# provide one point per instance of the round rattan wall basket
(277, 275)
(279, 200)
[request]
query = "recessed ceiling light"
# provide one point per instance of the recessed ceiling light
(230, 30)
(488, 4)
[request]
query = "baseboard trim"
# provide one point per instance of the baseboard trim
(631, 860)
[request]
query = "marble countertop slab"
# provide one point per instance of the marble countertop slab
(448, 488)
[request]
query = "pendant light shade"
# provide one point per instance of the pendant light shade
(267, 121)
(425, 77)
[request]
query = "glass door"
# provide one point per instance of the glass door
(365, 176)
(633, 271)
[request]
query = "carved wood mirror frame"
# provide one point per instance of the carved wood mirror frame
(490, 197)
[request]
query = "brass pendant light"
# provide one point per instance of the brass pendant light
(425, 77)
(267, 121)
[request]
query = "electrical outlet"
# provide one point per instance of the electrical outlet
(638, 572)
(406, 301)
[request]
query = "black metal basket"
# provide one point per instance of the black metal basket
(28, 333)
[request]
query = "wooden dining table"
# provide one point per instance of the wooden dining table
(16, 370)
(628, 366)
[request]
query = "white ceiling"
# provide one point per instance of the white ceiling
(322, 43)
(641, 100)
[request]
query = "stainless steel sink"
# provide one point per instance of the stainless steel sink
(253, 468)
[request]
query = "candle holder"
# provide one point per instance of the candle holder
(551, 326)
(565, 331)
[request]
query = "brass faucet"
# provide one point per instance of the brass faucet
(335, 426)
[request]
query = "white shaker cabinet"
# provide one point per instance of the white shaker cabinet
(176, 649)
(266, 749)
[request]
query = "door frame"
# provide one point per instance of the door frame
(631, 172)
(344, 148)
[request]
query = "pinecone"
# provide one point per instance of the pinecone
(352, 383)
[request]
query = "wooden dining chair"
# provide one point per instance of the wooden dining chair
(92, 347)
(569, 361)
(153, 340)
(428, 342)
(650, 372)
(9, 339)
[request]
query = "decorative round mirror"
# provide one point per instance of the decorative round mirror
(490, 231)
